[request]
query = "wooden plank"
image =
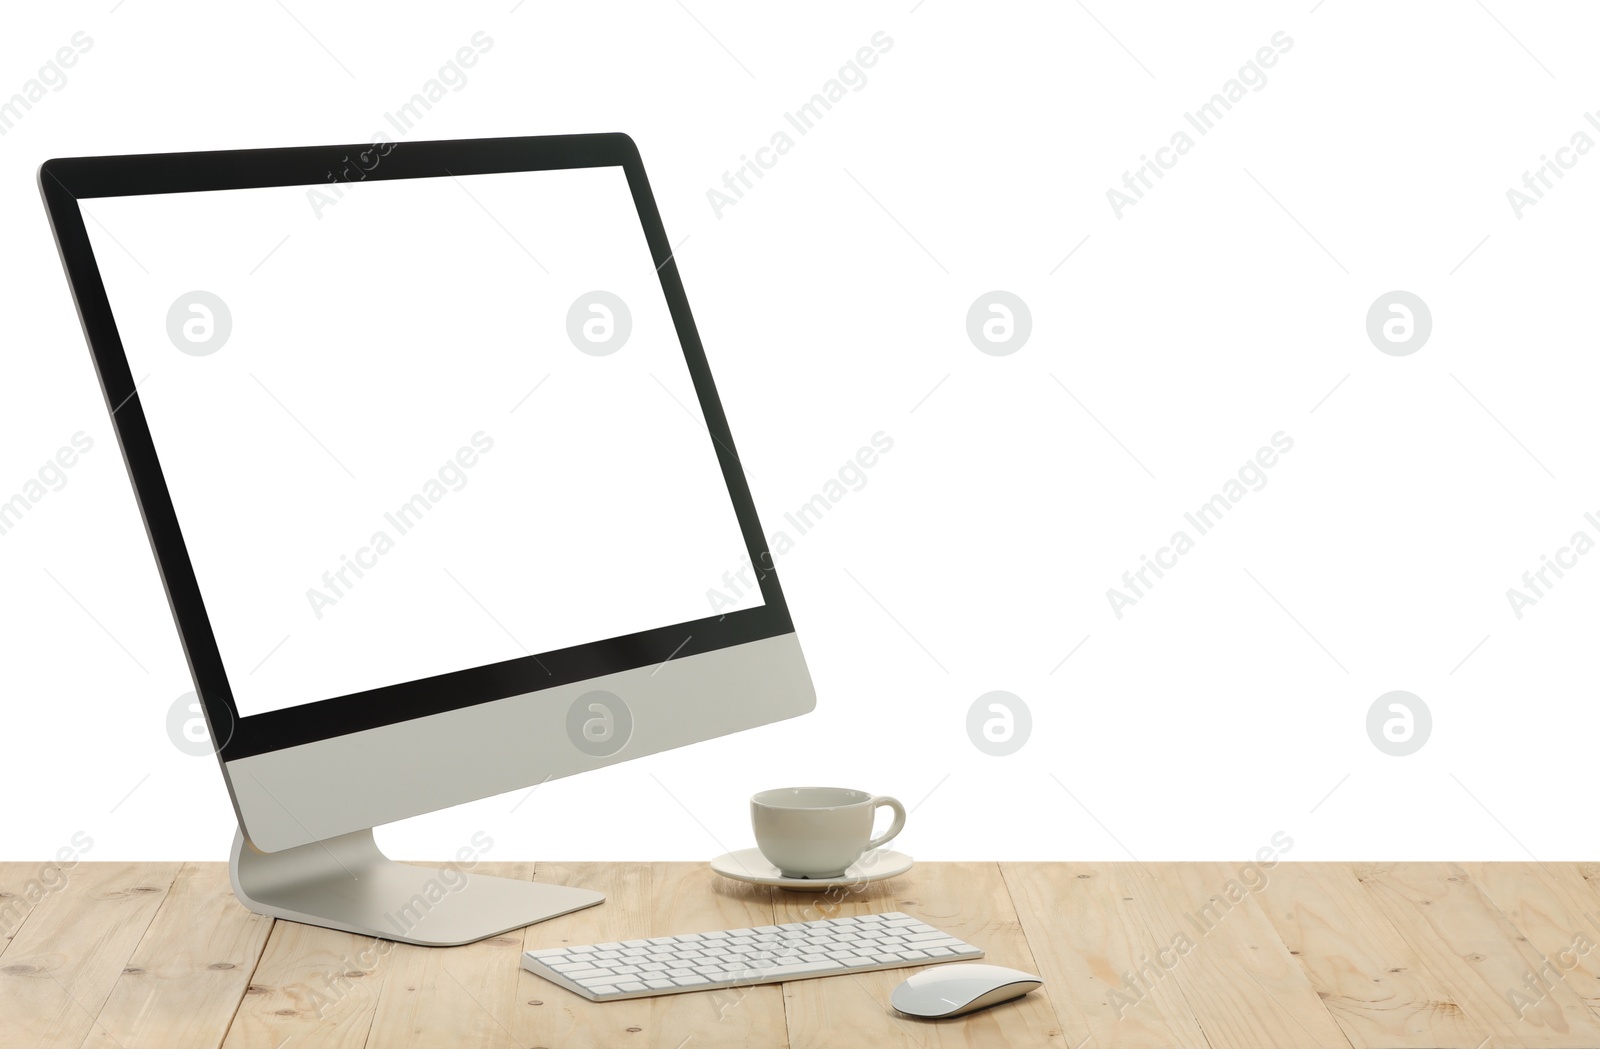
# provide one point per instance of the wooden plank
(969, 900)
(59, 967)
(312, 987)
(1239, 980)
(188, 973)
(1551, 905)
(1373, 983)
(22, 885)
(645, 900)
(1476, 951)
(1087, 938)
(453, 996)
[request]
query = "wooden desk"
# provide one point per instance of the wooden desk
(131, 955)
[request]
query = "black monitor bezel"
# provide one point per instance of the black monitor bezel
(63, 182)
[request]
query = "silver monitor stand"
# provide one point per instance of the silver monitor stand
(346, 883)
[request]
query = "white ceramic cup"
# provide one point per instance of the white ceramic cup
(818, 832)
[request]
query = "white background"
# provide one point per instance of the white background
(1227, 305)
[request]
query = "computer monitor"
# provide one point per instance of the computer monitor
(439, 486)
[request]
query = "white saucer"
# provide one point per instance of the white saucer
(749, 865)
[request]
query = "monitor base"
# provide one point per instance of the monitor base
(345, 883)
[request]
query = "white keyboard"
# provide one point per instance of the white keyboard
(703, 961)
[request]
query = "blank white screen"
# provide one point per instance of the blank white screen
(408, 342)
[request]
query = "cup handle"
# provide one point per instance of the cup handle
(894, 828)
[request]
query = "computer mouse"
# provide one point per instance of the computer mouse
(955, 990)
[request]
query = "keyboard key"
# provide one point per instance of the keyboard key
(783, 972)
(603, 990)
(580, 975)
(659, 985)
(689, 981)
(933, 935)
(631, 988)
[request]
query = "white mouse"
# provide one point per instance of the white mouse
(955, 990)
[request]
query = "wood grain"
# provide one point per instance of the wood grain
(1237, 977)
(22, 885)
(548, 1015)
(460, 996)
(1370, 979)
(1478, 954)
(312, 988)
(59, 968)
(185, 979)
(1550, 904)
(1322, 956)
(1088, 937)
